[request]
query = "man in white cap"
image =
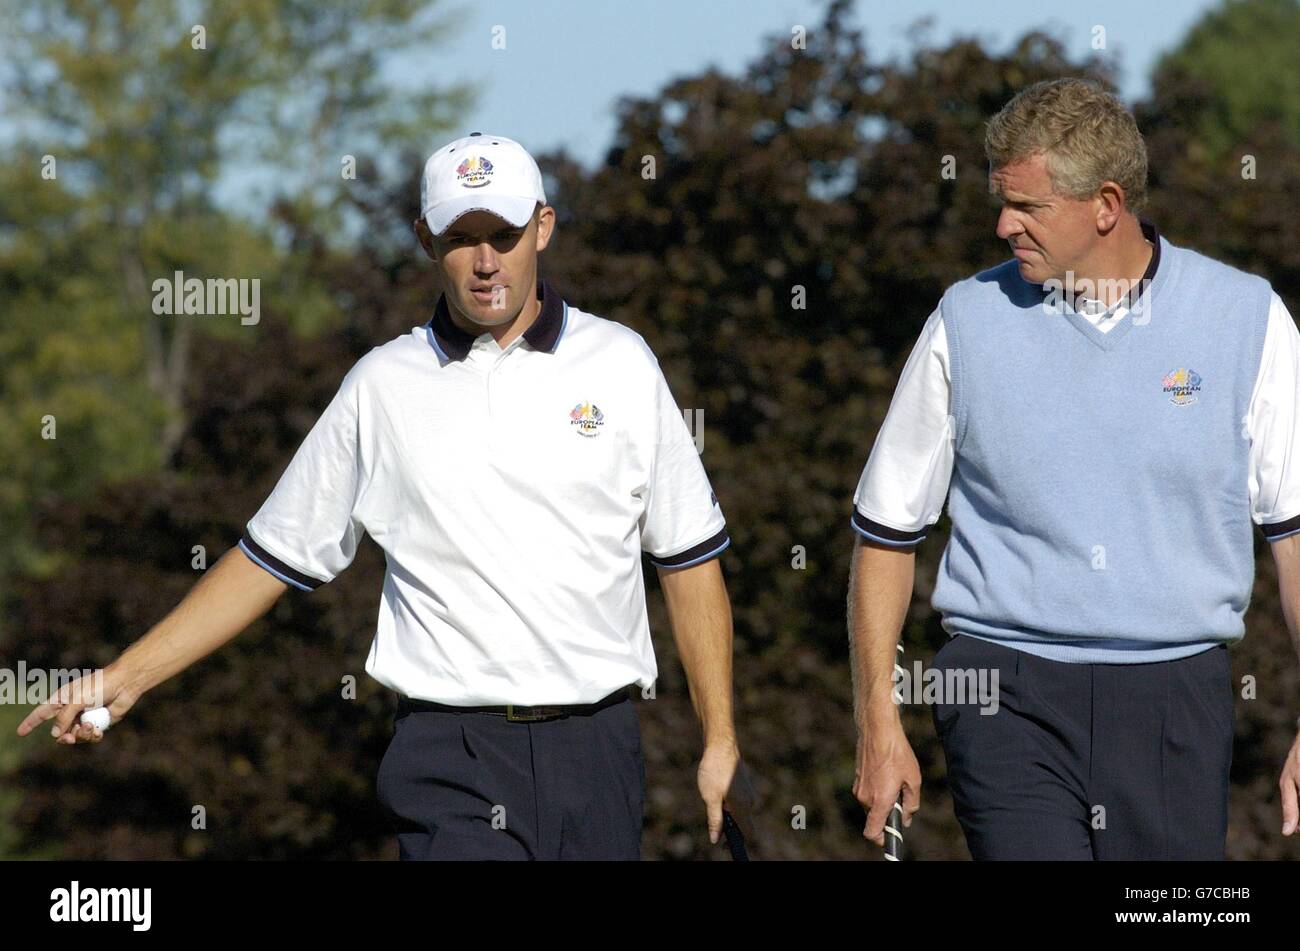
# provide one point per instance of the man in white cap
(513, 457)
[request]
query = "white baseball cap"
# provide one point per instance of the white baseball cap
(480, 172)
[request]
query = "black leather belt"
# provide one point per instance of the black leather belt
(518, 714)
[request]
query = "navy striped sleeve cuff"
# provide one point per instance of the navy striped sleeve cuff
(1278, 530)
(263, 558)
(883, 534)
(709, 548)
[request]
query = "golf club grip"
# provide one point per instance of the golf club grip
(735, 838)
(894, 833)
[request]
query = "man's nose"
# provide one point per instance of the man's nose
(485, 259)
(1008, 224)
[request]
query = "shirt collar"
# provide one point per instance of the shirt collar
(1151, 234)
(544, 334)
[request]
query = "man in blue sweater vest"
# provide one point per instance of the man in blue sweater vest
(1108, 415)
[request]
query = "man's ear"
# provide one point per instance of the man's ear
(1111, 203)
(426, 238)
(545, 226)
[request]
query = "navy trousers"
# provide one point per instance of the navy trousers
(479, 786)
(1089, 761)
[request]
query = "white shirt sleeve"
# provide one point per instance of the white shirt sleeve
(307, 531)
(1273, 425)
(905, 481)
(682, 523)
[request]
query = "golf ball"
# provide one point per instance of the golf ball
(98, 718)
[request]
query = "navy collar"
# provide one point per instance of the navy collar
(544, 334)
(1151, 234)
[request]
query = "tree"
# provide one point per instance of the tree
(128, 115)
(1235, 73)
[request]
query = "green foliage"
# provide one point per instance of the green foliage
(1237, 71)
(129, 113)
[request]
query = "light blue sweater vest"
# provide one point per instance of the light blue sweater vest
(1099, 501)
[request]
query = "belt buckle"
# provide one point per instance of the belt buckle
(528, 717)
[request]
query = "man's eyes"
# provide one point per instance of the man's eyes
(499, 236)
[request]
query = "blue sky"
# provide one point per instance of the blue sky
(566, 62)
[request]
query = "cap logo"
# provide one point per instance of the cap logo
(588, 418)
(474, 172)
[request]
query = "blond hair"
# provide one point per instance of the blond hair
(1086, 135)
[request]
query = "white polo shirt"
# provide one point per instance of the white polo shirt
(905, 481)
(513, 492)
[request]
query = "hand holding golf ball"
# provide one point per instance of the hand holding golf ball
(81, 709)
(98, 718)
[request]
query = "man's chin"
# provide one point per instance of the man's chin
(484, 314)
(1031, 274)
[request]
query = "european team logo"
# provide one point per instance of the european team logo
(1182, 385)
(588, 418)
(474, 172)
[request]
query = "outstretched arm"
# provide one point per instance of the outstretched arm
(228, 598)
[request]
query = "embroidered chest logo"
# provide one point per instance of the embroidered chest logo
(474, 172)
(588, 419)
(1182, 385)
